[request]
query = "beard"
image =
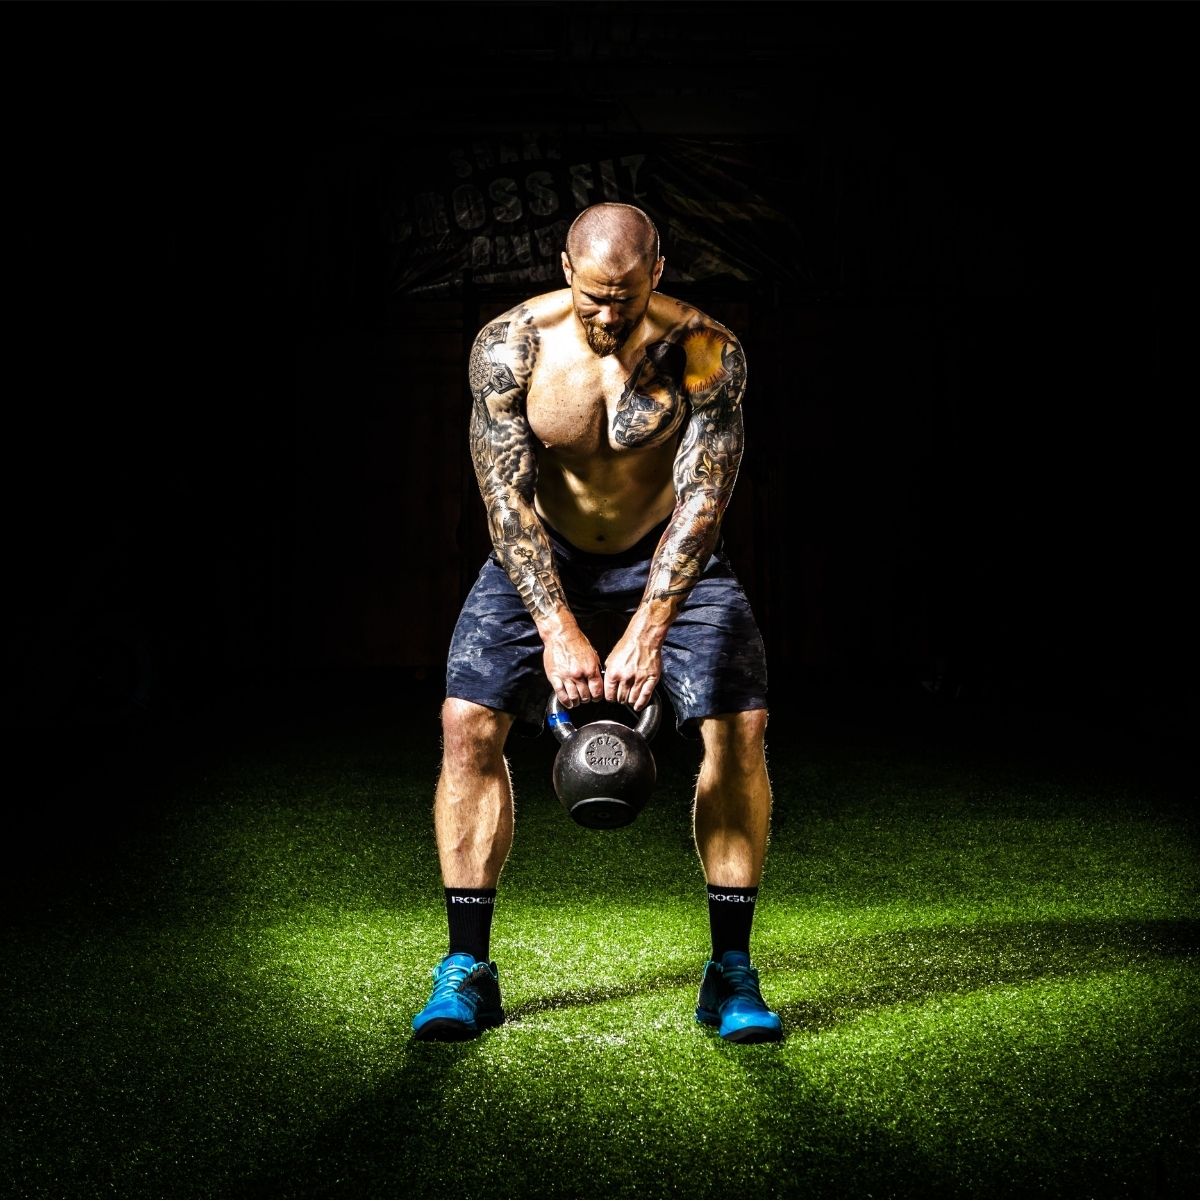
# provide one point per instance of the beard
(605, 341)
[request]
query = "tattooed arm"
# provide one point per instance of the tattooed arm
(706, 468)
(503, 452)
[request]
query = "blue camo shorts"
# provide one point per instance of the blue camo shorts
(713, 657)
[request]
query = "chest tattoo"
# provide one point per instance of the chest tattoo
(652, 403)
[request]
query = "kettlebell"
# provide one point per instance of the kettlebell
(604, 771)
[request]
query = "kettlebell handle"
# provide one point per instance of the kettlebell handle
(559, 720)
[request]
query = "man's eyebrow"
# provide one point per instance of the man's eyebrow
(615, 299)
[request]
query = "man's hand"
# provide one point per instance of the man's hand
(572, 666)
(634, 668)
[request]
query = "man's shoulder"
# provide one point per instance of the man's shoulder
(713, 363)
(680, 319)
(537, 312)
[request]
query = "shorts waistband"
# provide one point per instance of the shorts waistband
(640, 551)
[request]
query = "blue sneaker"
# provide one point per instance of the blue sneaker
(465, 1000)
(730, 999)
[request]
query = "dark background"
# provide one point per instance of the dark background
(236, 455)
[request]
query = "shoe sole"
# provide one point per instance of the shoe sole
(741, 1034)
(447, 1030)
(753, 1034)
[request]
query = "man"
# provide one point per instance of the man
(606, 435)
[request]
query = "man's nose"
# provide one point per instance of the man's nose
(608, 315)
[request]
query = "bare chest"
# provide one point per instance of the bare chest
(601, 405)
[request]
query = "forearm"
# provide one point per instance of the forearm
(685, 547)
(525, 553)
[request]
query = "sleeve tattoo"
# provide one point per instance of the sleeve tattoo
(502, 451)
(706, 468)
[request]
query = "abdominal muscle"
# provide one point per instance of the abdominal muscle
(605, 506)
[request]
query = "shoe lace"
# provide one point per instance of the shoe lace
(448, 979)
(742, 982)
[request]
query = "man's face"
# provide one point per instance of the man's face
(610, 305)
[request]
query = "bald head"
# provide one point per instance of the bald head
(614, 236)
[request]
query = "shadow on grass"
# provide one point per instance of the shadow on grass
(566, 1133)
(579, 997)
(911, 966)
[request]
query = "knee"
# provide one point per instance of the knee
(473, 734)
(736, 739)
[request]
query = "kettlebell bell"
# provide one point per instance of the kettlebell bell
(604, 771)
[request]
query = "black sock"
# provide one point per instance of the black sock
(469, 912)
(730, 914)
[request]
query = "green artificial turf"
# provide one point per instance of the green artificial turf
(986, 963)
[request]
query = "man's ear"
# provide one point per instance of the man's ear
(566, 266)
(657, 275)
